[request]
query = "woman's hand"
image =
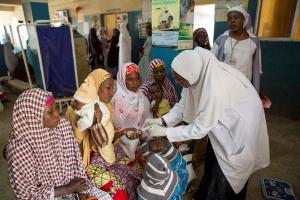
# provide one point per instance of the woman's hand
(132, 133)
(77, 185)
(97, 114)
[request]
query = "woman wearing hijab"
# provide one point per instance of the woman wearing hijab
(103, 37)
(145, 60)
(96, 59)
(158, 74)
(130, 106)
(113, 54)
(200, 38)
(125, 45)
(238, 47)
(104, 163)
(43, 157)
(220, 102)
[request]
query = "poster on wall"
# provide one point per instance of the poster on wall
(185, 40)
(165, 38)
(121, 18)
(165, 22)
(95, 21)
(165, 15)
(222, 7)
(61, 15)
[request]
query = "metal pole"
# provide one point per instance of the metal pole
(74, 59)
(24, 56)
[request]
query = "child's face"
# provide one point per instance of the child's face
(157, 145)
(156, 92)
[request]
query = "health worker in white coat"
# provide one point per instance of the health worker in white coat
(218, 101)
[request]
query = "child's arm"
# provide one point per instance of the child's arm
(155, 108)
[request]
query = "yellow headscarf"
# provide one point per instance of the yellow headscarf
(87, 93)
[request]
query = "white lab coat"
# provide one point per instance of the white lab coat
(235, 122)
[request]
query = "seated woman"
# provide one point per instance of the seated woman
(130, 107)
(43, 157)
(103, 160)
(158, 74)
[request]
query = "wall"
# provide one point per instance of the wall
(281, 73)
(92, 7)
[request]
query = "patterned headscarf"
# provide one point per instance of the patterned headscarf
(169, 92)
(40, 158)
(156, 63)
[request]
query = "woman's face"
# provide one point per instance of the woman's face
(106, 90)
(235, 21)
(50, 116)
(180, 80)
(159, 73)
(132, 81)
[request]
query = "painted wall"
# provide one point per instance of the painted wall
(92, 7)
(281, 76)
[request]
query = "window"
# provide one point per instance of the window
(279, 19)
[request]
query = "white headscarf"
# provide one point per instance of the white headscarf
(215, 86)
(125, 46)
(247, 23)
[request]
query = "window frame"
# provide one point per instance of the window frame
(293, 30)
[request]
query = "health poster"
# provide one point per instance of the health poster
(186, 24)
(165, 15)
